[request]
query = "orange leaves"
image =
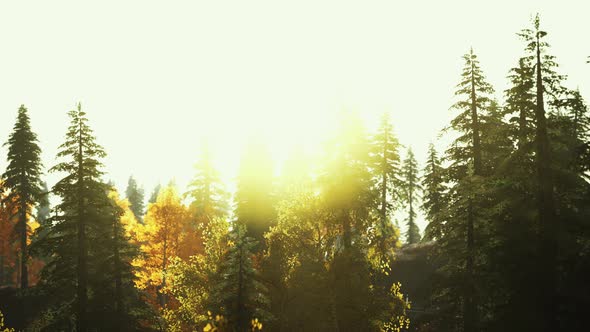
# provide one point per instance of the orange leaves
(166, 234)
(10, 250)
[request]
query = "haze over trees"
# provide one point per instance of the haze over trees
(325, 244)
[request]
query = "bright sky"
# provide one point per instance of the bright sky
(157, 76)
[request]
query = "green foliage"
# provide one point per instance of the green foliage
(410, 194)
(385, 166)
(460, 224)
(433, 191)
(237, 291)
(191, 281)
(135, 195)
(155, 192)
(22, 178)
(88, 273)
(508, 206)
(210, 199)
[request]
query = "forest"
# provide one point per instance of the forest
(319, 247)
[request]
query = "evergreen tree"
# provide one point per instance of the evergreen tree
(75, 237)
(210, 199)
(155, 193)
(433, 193)
(530, 289)
(545, 80)
(22, 179)
(135, 195)
(386, 168)
(238, 293)
(117, 305)
(411, 187)
(350, 203)
(295, 181)
(465, 172)
(346, 182)
(520, 103)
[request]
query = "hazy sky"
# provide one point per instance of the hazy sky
(157, 76)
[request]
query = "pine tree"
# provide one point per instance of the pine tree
(386, 169)
(75, 235)
(155, 193)
(433, 193)
(545, 80)
(350, 203)
(346, 181)
(135, 195)
(22, 179)
(210, 199)
(411, 188)
(238, 293)
(520, 103)
(465, 171)
(117, 303)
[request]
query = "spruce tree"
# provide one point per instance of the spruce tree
(238, 292)
(520, 103)
(433, 193)
(210, 199)
(465, 172)
(386, 169)
(75, 237)
(346, 181)
(135, 195)
(117, 304)
(411, 188)
(545, 80)
(22, 179)
(155, 193)
(350, 201)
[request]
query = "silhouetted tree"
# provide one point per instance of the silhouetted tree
(238, 293)
(386, 169)
(74, 237)
(135, 195)
(411, 188)
(22, 179)
(433, 193)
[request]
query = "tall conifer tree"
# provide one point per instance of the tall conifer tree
(75, 237)
(135, 195)
(22, 179)
(411, 188)
(386, 169)
(433, 193)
